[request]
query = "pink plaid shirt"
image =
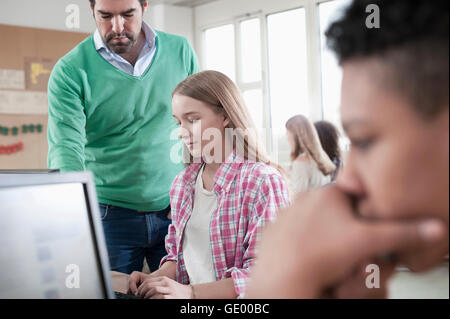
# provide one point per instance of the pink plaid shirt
(249, 194)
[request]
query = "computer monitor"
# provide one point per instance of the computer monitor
(28, 171)
(51, 238)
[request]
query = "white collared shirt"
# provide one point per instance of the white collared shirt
(145, 56)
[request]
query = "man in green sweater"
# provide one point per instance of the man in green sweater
(110, 113)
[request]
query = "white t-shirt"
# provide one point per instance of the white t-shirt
(196, 241)
(306, 176)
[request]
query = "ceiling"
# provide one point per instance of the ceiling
(183, 3)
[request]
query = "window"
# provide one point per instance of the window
(250, 81)
(220, 50)
(287, 67)
(288, 75)
(281, 64)
(331, 72)
(222, 54)
(254, 102)
(251, 50)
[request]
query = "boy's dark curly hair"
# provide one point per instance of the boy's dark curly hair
(412, 44)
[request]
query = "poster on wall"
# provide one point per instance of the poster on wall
(12, 79)
(23, 102)
(37, 73)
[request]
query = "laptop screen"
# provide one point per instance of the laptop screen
(48, 249)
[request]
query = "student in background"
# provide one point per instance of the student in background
(391, 198)
(220, 202)
(329, 139)
(311, 167)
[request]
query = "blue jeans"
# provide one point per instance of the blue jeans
(132, 236)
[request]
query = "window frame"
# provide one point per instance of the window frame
(313, 57)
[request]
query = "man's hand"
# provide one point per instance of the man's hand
(318, 246)
(164, 288)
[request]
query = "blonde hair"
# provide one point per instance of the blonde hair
(307, 141)
(220, 92)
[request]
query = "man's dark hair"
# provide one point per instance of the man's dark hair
(141, 1)
(411, 44)
(329, 138)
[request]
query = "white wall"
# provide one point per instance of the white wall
(51, 14)
(172, 19)
(45, 14)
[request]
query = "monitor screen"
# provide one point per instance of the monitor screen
(48, 248)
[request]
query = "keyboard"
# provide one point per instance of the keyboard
(120, 295)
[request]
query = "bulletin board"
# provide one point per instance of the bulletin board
(27, 56)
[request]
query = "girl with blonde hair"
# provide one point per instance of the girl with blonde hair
(311, 167)
(221, 202)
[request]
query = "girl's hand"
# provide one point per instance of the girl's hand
(164, 288)
(135, 280)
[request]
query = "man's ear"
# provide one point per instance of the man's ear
(144, 7)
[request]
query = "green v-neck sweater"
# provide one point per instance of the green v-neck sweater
(116, 125)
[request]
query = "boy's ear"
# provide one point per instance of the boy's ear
(92, 10)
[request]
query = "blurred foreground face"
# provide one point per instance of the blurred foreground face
(398, 166)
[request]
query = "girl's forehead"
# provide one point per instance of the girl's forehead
(184, 106)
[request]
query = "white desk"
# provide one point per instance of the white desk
(403, 285)
(430, 285)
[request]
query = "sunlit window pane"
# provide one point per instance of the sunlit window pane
(251, 50)
(254, 101)
(331, 72)
(220, 50)
(287, 67)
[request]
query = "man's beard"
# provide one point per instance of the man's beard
(120, 47)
